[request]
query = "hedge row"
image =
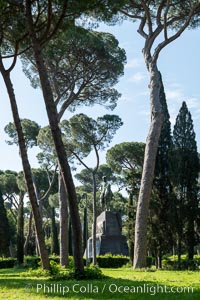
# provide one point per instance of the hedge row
(7, 263)
(109, 261)
(106, 261)
(171, 263)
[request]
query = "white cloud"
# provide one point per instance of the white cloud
(174, 94)
(193, 103)
(137, 77)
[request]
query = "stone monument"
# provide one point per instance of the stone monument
(109, 238)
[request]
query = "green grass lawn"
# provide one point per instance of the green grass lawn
(122, 284)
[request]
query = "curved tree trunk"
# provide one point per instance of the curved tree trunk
(64, 228)
(26, 168)
(59, 146)
(140, 247)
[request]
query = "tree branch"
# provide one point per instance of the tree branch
(165, 19)
(177, 34)
(148, 17)
(81, 161)
(141, 28)
(97, 157)
(49, 15)
(50, 186)
(159, 13)
(66, 104)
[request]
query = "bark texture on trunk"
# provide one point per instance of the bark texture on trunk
(140, 247)
(20, 230)
(28, 234)
(94, 225)
(54, 233)
(64, 228)
(27, 170)
(57, 138)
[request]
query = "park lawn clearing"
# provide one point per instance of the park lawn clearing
(122, 283)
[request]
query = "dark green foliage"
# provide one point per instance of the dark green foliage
(8, 182)
(126, 160)
(112, 261)
(185, 170)
(93, 272)
(32, 262)
(4, 229)
(85, 67)
(7, 263)
(90, 272)
(30, 130)
(172, 263)
(150, 261)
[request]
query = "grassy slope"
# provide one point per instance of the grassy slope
(13, 286)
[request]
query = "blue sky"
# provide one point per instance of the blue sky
(178, 63)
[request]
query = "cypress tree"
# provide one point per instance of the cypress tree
(4, 229)
(185, 169)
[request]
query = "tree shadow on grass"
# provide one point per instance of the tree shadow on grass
(109, 288)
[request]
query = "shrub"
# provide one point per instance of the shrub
(112, 261)
(7, 263)
(90, 272)
(39, 272)
(93, 272)
(150, 261)
(171, 263)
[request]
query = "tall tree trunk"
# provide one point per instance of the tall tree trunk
(64, 218)
(28, 234)
(159, 258)
(20, 230)
(131, 227)
(140, 247)
(85, 231)
(179, 250)
(26, 168)
(94, 225)
(59, 146)
(191, 228)
(190, 240)
(4, 229)
(54, 233)
(70, 237)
